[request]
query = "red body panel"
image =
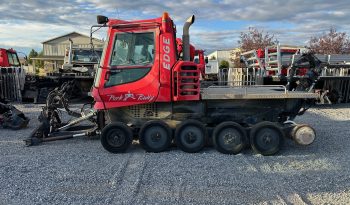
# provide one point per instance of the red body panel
(201, 64)
(4, 60)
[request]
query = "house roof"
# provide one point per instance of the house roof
(228, 49)
(68, 34)
(49, 58)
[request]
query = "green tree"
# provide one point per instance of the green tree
(32, 54)
(224, 64)
(40, 63)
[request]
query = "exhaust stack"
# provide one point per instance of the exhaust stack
(186, 38)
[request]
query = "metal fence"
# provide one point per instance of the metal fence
(240, 77)
(11, 83)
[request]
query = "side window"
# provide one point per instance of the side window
(133, 53)
(10, 59)
(132, 49)
(119, 55)
(122, 76)
(54, 50)
(15, 59)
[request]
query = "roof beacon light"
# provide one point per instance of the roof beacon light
(165, 22)
(165, 16)
(102, 19)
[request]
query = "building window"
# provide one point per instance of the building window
(54, 50)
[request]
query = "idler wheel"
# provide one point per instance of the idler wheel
(303, 134)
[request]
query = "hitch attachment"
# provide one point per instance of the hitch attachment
(52, 128)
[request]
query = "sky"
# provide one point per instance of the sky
(25, 24)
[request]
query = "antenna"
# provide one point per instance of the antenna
(118, 13)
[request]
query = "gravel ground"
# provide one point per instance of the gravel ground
(80, 171)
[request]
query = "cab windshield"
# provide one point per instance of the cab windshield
(133, 49)
(87, 56)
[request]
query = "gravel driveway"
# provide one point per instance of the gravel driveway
(80, 171)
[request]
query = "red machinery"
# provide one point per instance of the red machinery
(10, 68)
(299, 68)
(11, 76)
(8, 58)
(148, 88)
(270, 61)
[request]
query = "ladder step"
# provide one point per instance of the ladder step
(248, 52)
(189, 90)
(194, 84)
(273, 62)
(270, 68)
(252, 58)
(254, 65)
(188, 77)
(272, 54)
(189, 71)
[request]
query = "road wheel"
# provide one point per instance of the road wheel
(266, 138)
(190, 136)
(229, 138)
(116, 137)
(155, 136)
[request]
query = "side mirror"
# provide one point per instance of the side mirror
(102, 19)
(206, 60)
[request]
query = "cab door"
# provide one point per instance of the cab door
(130, 76)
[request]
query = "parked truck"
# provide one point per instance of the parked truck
(78, 67)
(145, 89)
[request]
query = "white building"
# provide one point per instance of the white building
(55, 48)
(226, 54)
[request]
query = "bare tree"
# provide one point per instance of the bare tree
(251, 40)
(332, 42)
(255, 39)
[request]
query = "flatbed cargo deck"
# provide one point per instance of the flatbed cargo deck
(253, 92)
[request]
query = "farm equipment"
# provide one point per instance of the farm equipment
(12, 118)
(79, 67)
(148, 89)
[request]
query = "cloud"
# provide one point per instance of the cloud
(27, 23)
